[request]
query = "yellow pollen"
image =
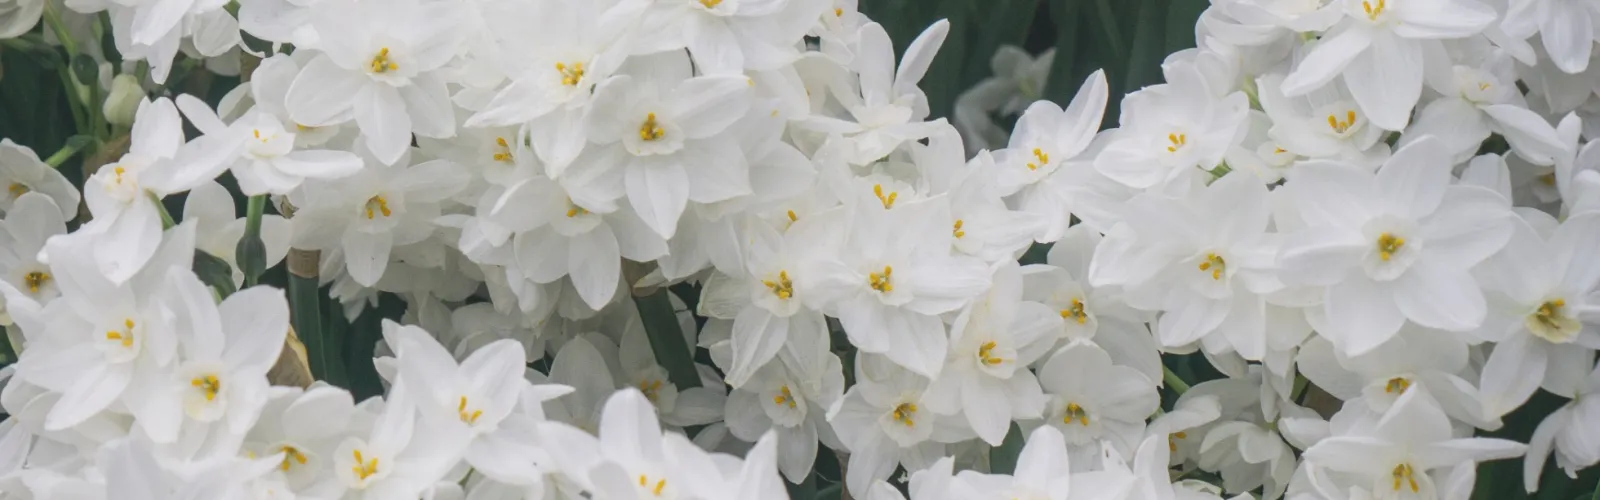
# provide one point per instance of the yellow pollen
(1397, 386)
(1178, 141)
(1075, 412)
(1547, 179)
(381, 63)
(1172, 440)
(1484, 85)
(651, 389)
(649, 130)
(710, 4)
(1076, 312)
(985, 354)
(1044, 158)
(660, 483)
(881, 281)
(1404, 472)
(1279, 150)
(570, 75)
(291, 455)
(888, 201)
(905, 414)
(126, 338)
(783, 288)
(1340, 127)
(838, 12)
(35, 280)
(1372, 14)
(1388, 245)
(208, 384)
(376, 205)
(1549, 313)
(257, 133)
(467, 417)
(118, 171)
(792, 217)
(957, 231)
(784, 397)
(502, 150)
(1215, 264)
(364, 468)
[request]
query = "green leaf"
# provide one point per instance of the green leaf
(215, 273)
(1148, 47)
(1064, 77)
(1003, 458)
(86, 69)
(322, 346)
(666, 338)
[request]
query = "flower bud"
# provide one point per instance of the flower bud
(123, 101)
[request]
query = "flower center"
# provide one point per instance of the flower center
(17, 189)
(570, 74)
(381, 63)
(208, 385)
(660, 484)
(502, 150)
(467, 417)
(363, 468)
(881, 281)
(1388, 245)
(888, 201)
(651, 389)
(649, 130)
(1397, 386)
(1215, 264)
(1178, 141)
(957, 232)
(291, 455)
(1550, 322)
(783, 288)
(986, 354)
(1373, 11)
(1404, 472)
(906, 414)
(710, 4)
(376, 205)
(1075, 412)
(1342, 126)
(1043, 157)
(125, 336)
(35, 280)
(1076, 312)
(784, 397)
(1172, 440)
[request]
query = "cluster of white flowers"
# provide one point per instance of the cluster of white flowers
(1388, 203)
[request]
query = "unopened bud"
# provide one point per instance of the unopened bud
(124, 100)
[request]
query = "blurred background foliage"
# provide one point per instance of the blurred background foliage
(1127, 38)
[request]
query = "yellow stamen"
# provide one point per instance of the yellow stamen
(570, 75)
(1373, 12)
(888, 201)
(364, 468)
(783, 288)
(1178, 142)
(649, 130)
(985, 354)
(1397, 386)
(291, 455)
(1076, 312)
(792, 217)
(784, 397)
(126, 337)
(381, 63)
(1075, 412)
(651, 389)
(881, 281)
(17, 189)
(957, 231)
(906, 413)
(502, 150)
(467, 417)
(710, 4)
(1340, 127)
(1405, 472)
(207, 384)
(377, 204)
(1044, 158)
(1215, 264)
(1388, 245)
(35, 280)
(1172, 440)
(1549, 313)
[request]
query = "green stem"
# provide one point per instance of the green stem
(1173, 381)
(166, 218)
(666, 338)
(252, 262)
(66, 151)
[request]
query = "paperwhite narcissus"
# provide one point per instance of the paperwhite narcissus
(1172, 130)
(1093, 401)
(218, 230)
(1392, 246)
(381, 72)
(260, 152)
(23, 173)
(29, 223)
(885, 422)
(126, 222)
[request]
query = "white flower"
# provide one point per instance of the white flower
(1172, 129)
(31, 221)
(23, 173)
(1093, 401)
